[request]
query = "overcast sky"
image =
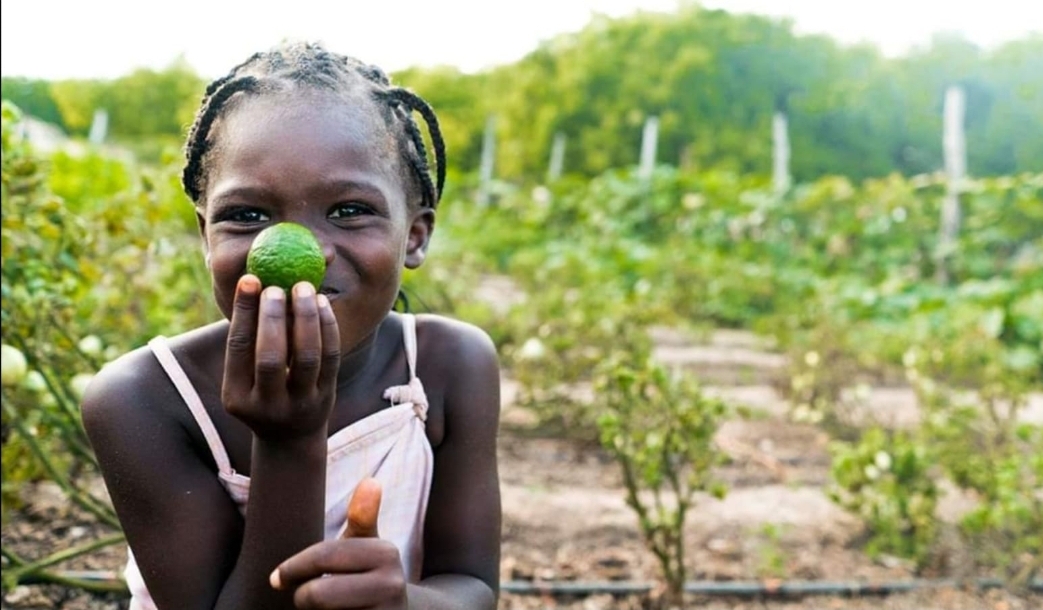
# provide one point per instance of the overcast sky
(108, 38)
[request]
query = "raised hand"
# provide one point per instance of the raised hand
(281, 370)
(357, 571)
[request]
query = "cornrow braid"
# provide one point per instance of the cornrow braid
(310, 65)
(411, 102)
(212, 106)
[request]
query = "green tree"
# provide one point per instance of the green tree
(33, 97)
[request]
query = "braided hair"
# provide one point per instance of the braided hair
(310, 65)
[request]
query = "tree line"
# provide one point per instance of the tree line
(714, 79)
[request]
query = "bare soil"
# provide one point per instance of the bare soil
(565, 518)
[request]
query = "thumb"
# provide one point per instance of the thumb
(363, 510)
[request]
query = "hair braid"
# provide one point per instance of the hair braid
(413, 101)
(310, 65)
(198, 144)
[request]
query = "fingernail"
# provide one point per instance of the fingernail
(249, 285)
(304, 290)
(275, 580)
(274, 293)
(323, 301)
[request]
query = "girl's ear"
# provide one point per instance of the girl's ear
(420, 230)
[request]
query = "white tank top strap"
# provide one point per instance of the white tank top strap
(409, 336)
(414, 391)
(195, 404)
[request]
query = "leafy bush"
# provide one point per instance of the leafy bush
(87, 275)
(659, 427)
(888, 479)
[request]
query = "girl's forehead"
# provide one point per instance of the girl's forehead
(273, 138)
(306, 125)
(309, 115)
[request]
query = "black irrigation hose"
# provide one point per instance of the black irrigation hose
(710, 588)
(754, 588)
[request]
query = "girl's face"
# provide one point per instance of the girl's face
(331, 166)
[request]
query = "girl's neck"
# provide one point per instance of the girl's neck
(355, 362)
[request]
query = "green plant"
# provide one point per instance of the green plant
(985, 449)
(86, 276)
(888, 479)
(771, 557)
(659, 427)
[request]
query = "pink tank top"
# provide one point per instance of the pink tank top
(390, 445)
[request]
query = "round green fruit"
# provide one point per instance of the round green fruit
(284, 254)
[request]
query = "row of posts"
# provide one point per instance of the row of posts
(953, 145)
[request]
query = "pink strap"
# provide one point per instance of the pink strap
(409, 334)
(191, 397)
(414, 391)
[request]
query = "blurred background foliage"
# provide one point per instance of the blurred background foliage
(714, 79)
(101, 251)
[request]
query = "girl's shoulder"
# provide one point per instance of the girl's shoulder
(134, 384)
(461, 360)
(451, 345)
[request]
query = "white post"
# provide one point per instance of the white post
(485, 172)
(557, 158)
(648, 147)
(954, 147)
(780, 176)
(99, 127)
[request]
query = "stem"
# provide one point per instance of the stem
(94, 362)
(64, 398)
(92, 586)
(12, 557)
(85, 501)
(647, 528)
(30, 568)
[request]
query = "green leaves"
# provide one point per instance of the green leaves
(659, 427)
(888, 479)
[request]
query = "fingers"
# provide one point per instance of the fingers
(330, 333)
(363, 510)
(242, 334)
(307, 337)
(352, 591)
(271, 358)
(338, 557)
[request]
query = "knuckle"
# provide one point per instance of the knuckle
(240, 341)
(246, 303)
(392, 583)
(270, 362)
(232, 400)
(388, 553)
(331, 350)
(307, 358)
(307, 597)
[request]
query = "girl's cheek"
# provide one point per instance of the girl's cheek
(225, 272)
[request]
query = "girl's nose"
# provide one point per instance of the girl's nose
(328, 252)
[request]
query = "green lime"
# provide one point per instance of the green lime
(284, 254)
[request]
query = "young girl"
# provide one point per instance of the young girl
(232, 452)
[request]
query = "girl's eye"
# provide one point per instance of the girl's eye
(349, 210)
(242, 215)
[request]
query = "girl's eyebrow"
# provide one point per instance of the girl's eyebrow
(239, 194)
(353, 186)
(336, 186)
